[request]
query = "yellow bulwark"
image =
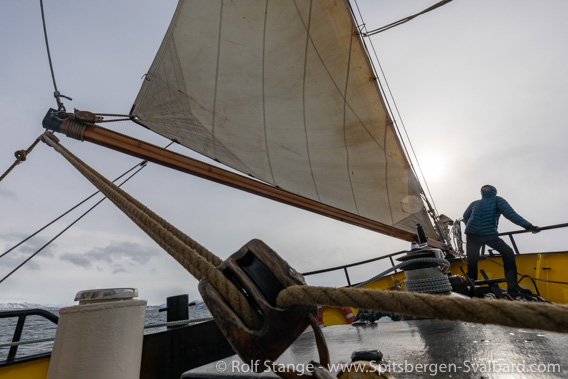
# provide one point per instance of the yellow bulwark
(34, 369)
(546, 269)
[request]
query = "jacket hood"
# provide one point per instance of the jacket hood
(491, 192)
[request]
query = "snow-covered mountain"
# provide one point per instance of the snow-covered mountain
(199, 304)
(23, 305)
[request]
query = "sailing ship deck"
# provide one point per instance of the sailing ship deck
(424, 348)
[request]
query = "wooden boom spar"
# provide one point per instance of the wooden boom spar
(144, 150)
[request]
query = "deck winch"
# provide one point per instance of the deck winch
(422, 268)
(423, 273)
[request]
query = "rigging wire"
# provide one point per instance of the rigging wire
(56, 92)
(123, 117)
(143, 164)
(406, 19)
(114, 120)
(399, 116)
(21, 156)
(388, 90)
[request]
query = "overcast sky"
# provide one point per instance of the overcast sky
(481, 87)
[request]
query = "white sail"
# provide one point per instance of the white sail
(282, 90)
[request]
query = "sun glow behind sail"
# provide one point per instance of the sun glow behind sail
(283, 91)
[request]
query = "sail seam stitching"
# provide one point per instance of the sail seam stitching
(216, 82)
(337, 87)
(308, 39)
(263, 94)
(344, 126)
(387, 171)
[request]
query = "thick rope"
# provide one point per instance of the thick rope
(193, 257)
(542, 316)
(201, 250)
(21, 155)
(552, 317)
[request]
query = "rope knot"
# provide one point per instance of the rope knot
(21, 155)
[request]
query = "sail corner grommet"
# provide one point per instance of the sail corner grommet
(260, 273)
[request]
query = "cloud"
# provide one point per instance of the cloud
(119, 255)
(7, 194)
(77, 259)
(11, 261)
(119, 271)
(16, 257)
(10, 240)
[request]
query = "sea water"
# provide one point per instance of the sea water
(37, 327)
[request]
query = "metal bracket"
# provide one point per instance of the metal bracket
(53, 119)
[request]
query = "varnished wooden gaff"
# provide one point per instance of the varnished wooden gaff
(141, 149)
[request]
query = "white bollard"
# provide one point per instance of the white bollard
(101, 337)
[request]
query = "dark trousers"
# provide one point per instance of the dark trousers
(474, 244)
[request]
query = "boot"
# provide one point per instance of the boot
(513, 286)
(511, 277)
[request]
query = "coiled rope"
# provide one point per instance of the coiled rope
(437, 284)
(443, 262)
(201, 263)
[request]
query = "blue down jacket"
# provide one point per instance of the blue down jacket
(482, 216)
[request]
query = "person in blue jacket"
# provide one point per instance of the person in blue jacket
(482, 219)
